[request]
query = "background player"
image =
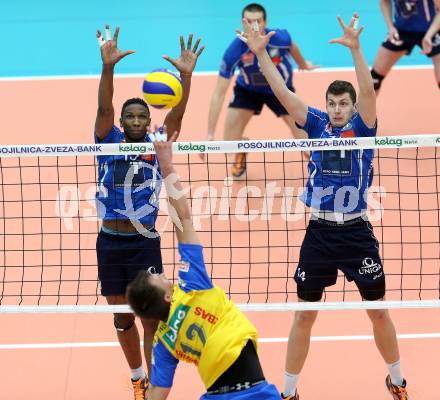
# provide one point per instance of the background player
(338, 234)
(127, 198)
(251, 90)
(198, 323)
(416, 22)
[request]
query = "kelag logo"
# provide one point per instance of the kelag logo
(191, 147)
(388, 142)
(126, 148)
(170, 337)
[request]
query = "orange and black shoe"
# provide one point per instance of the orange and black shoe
(398, 392)
(140, 388)
(291, 396)
(239, 167)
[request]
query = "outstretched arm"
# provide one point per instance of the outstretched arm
(178, 206)
(185, 64)
(257, 44)
(110, 55)
(367, 95)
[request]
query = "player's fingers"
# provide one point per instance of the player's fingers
(126, 53)
(360, 30)
(354, 21)
(170, 60)
(107, 33)
(182, 43)
(101, 41)
(196, 45)
(270, 34)
(246, 25)
(341, 22)
(173, 138)
(255, 26)
(98, 33)
(200, 51)
(115, 36)
(189, 44)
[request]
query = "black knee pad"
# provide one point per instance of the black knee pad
(373, 294)
(377, 79)
(123, 322)
(309, 294)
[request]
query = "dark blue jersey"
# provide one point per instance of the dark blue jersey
(338, 179)
(413, 15)
(238, 55)
(128, 185)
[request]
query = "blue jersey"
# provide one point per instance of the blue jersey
(238, 55)
(128, 185)
(413, 15)
(338, 179)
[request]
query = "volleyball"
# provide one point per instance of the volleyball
(162, 89)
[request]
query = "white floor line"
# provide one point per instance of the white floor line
(261, 340)
(197, 73)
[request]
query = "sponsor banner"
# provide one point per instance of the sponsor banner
(344, 143)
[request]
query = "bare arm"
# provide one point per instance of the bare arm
(216, 104)
(257, 44)
(178, 206)
(367, 95)
(157, 393)
(110, 55)
(386, 7)
(433, 29)
(302, 63)
(185, 65)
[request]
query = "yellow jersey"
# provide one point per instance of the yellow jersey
(204, 327)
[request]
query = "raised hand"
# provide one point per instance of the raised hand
(110, 54)
(350, 38)
(252, 36)
(188, 57)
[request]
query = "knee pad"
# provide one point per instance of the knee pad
(311, 295)
(377, 79)
(123, 323)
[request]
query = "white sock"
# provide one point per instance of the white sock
(395, 373)
(290, 382)
(138, 373)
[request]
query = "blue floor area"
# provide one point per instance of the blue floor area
(53, 37)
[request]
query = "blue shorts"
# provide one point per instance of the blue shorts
(262, 391)
(250, 100)
(351, 248)
(121, 257)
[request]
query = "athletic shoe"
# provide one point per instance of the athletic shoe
(398, 392)
(291, 397)
(140, 388)
(239, 167)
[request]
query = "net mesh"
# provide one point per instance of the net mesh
(251, 229)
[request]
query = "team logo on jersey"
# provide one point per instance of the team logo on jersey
(176, 320)
(349, 133)
(183, 266)
(247, 59)
(275, 56)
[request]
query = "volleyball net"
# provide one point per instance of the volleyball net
(251, 229)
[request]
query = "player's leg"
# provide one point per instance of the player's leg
(314, 272)
(388, 55)
(436, 63)
(242, 107)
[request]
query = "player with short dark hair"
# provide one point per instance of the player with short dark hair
(251, 90)
(198, 323)
(127, 198)
(339, 235)
(415, 23)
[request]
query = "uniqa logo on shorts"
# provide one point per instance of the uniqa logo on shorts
(369, 266)
(170, 337)
(191, 147)
(388, 142)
